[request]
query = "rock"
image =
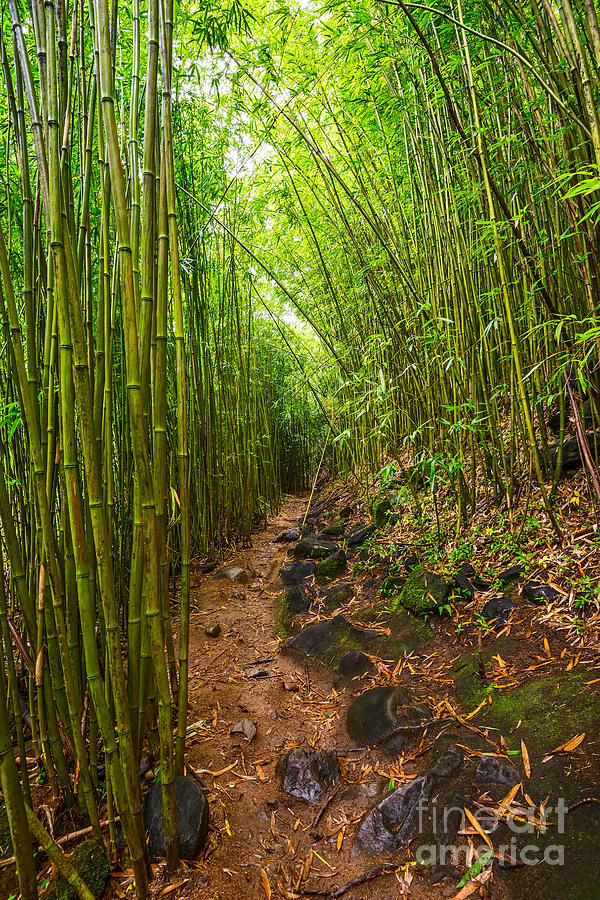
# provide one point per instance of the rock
(497, 611)
(346, 512)
(208, 567)
(480, 583)
(373, 715)
(296, 572)
(353, 663)
(462, 582)
(317, 639)
(244, 726)
(337, 595)
(315, 547)
(89, 860)
(192, 814)
(298, 599)
(332, 566)
(571, 457)
(411, 562)
(336, 531)
(233, 573)
(423, 592)
(287, 537)
(256, 672)
(536, 592)
(213, 630)
(390, 824)
(381, 512)
(290, 685)
(359, 535)
(508, 575)
(308, 775)
(492, 770)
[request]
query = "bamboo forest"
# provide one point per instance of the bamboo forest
(299, 449)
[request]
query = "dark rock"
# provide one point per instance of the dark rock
(411, 562)
(317, 639)
(337, 595)
(508, 575)
(497, 611)
(233, 573)
(246, 727)
(306, 529)
(298, 599)
(90, 861)
(331, 567)
(390, 824)
(536, 592)
(353, 663)
(374, 714)
(192, 814)
(213, 630)
(308, 775)
(492, 770)
(359, 535)
(463, 587)
(571, 457)
(314, 547)
(208, 566)
(423, 592)
(287, 537)
(381, 512)
(296, 572)
(346, 512)
(333, 530)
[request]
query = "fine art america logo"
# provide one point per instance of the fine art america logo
(526, 821)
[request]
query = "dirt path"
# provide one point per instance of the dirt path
(262, 842)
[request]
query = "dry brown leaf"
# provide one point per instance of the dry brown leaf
(566, 748)
(264, 880)
(526, 763)
(477, 827)
(173, 887)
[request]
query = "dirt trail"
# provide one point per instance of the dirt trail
(261, 840)
(254, 825)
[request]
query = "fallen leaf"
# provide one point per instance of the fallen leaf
(566, 748)
(173, 887)
(526, 763)
(264, 878)
(477, 827)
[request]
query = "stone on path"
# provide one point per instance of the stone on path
(298, 599)
(308, 775)
(233, 573)
(287, 537)
(492, 770)
(332, 566)
(213, 630)
(192, 813)
(246, 727)
(376, 714)
(296, 572)
(327, 638)
(313, 547)
(353, 663)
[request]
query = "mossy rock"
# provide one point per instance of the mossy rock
(407, 632)
(381, 511)
(284, 617)
(423, 593)
(329, 640)
(91, 862)
(331, 567)
(335, 530)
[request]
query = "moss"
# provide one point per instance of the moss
(91, 861)
(407, 633)
(329, 568)
(284, 617)
(335, 530)
(421, 593)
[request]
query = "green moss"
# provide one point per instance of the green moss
(417, 596)
(335, 530)
(91, 861)
(329, 568)
(284, 617)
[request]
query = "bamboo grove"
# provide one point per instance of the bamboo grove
(432, 194)
(144, 420)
